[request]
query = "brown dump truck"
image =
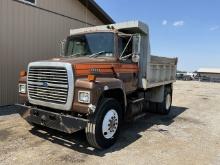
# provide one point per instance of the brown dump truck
(104, 76)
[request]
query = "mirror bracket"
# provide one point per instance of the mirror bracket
(62, 47)
(135, 58)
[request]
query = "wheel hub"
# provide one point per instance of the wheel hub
(168, 101)
(110, 124)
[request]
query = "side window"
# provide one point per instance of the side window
(122, 44)
(123, 41)
(32, 2)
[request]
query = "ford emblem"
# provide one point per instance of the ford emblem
(45, 84)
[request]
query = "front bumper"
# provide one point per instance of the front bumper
(57, 121)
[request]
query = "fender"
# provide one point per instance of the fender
(97, 88)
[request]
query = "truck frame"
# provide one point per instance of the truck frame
(105, 75)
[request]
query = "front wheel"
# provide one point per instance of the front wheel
(103, 128)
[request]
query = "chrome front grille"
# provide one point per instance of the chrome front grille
(50, 84)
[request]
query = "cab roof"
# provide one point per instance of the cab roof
(126, 27)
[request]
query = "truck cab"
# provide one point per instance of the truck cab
(104, 76)
(108, 47)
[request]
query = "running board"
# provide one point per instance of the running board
(136, 101)
(140, 116)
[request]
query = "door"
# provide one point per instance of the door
(127, 70)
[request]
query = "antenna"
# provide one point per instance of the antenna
(87, 5)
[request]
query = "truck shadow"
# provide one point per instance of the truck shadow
(130, 133)
(7, 110)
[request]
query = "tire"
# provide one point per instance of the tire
(103, 129)
(164, 107)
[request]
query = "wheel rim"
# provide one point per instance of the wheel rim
(110, 124)
(168, 102)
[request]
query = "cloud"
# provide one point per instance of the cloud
(164, 22)
(178, 23)
(214, 28)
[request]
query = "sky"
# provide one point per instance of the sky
(187, 29)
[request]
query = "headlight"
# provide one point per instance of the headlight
(22, 88)
(84, 96)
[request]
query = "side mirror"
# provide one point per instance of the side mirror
(135, 58)
(136, 48)
(62, 47)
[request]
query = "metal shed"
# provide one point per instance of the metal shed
(31, 30)
(209, 74)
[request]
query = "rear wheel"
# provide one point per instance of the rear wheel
(165, 106)
(103, 128)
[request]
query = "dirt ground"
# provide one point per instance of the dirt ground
(189, 135)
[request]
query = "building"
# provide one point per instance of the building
(209, 74)
(31, 30)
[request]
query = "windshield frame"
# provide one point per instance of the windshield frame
(80, 34)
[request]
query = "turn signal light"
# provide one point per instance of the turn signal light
(23, 73)
(91, 77)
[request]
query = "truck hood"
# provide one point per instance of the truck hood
(83, 60)
(83, 66)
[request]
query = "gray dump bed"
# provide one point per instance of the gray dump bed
(162, 71)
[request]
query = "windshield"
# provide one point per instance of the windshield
(91, 45)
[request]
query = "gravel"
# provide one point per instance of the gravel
(190, 134)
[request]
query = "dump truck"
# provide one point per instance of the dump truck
(105, 75)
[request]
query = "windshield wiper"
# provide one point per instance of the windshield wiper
(97, 54)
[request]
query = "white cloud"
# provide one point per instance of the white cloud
(164, 22)
(178, 23)
(214, 28)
